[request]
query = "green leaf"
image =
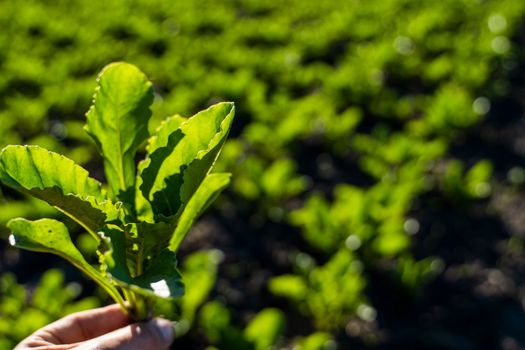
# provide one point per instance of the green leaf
(159, 140)
(207, 192)
(214, 319)
(315, 341)
(112, 253)
(163, 132)
(265, 328)
(58, 181)
(162, 276)
(173, 172)
(118, 122)
(52, 236)
(45, 235)
(290, 286)
(34, 167)
(154, 237)
(160, 279)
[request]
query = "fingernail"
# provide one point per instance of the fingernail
(165, 328)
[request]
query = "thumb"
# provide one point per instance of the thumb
(155, 334)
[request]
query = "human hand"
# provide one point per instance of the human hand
(106, 328)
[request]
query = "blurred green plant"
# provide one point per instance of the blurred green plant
(23, 312)
(316, 341)
(261, 333)
(328, 293)
(199, 269)
(461, 184)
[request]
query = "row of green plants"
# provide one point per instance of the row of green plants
(382, 88)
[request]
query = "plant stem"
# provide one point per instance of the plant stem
(112, 291)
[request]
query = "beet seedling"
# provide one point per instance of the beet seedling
(143, 214)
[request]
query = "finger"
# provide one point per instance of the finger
(155, 334)
(84, 325)
(36, 344)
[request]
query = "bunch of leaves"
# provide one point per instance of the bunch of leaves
(21, 312)
(141, 218)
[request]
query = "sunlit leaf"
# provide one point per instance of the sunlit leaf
(172, 173)
(51, 236)
(59, 181)
(207, 192)
(118, 122)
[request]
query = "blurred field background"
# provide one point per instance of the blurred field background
(378, 159)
